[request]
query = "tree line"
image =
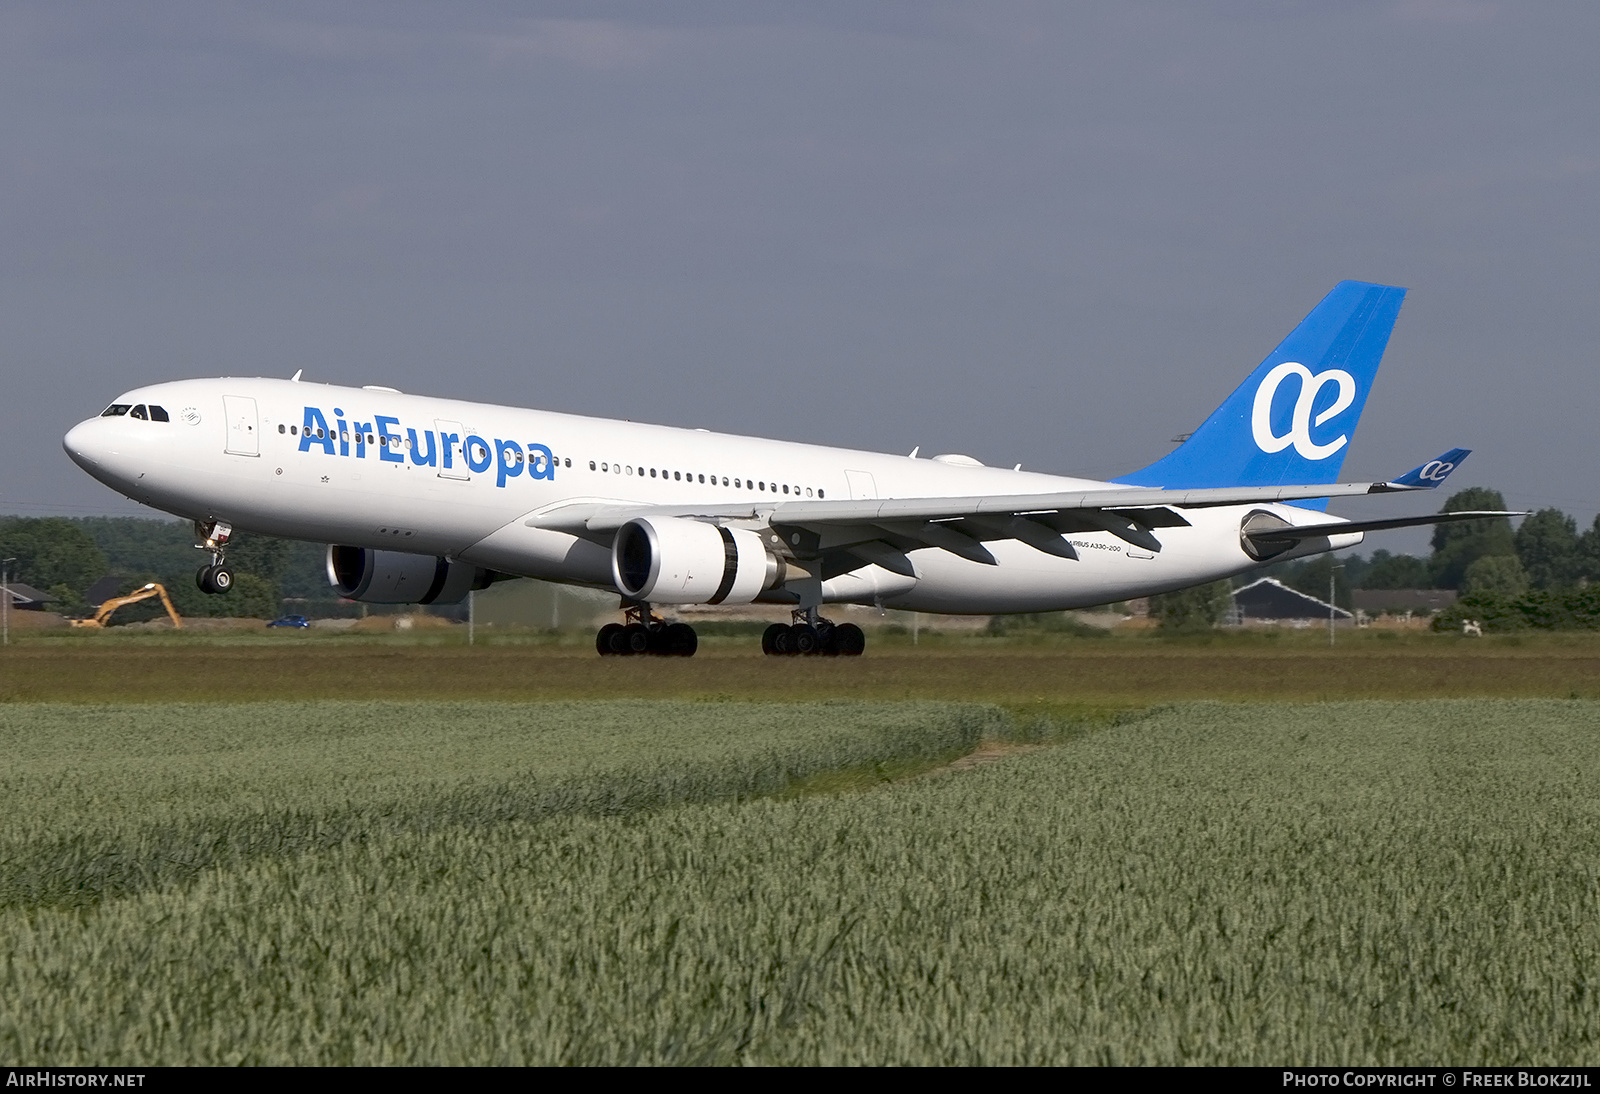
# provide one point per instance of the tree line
(68, 557)
(1543, 573)
(1546, 552)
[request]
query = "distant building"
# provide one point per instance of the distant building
(26, 598)
(1401, 601)
(1269, 600)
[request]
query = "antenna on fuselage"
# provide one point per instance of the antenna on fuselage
(295, 379)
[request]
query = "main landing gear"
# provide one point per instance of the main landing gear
(810, 635)
(217, 577)
(645, 633)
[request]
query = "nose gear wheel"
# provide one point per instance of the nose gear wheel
(217, 578)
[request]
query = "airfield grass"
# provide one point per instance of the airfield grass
(357, 882)
(1045, 672)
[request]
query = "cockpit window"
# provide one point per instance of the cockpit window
(158, 413)
(139, 412)
(115, 410)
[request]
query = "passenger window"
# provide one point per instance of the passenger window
(569, 461)
(139, 412)
(820, 494)
(808, 491)
(761, 486)
(115, 410)
(677, 475)
(605, 467)
(702, 478)
(652, 472)
(282, 428)
(591, 465)
(158, 413)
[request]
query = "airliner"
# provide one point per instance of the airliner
(424, 499)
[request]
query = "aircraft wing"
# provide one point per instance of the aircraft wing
(955, 524)
(608, 517)
(881, 530)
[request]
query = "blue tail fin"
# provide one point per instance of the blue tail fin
(1292, 420)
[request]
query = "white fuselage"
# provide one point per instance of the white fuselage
(237, 450)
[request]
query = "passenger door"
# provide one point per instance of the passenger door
(243, 433)
(862, 486)
(452, 455)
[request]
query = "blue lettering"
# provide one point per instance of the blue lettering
(471, 450)
(315, 421)
(361, 429)
(344, 434)
(416, 448)
(541, 463)
(509, 468)
(389, 443)
(447, 444)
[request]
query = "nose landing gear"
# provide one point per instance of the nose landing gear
(217, 577)
(645, 633)
(810, 635)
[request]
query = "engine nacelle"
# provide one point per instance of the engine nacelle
(674, 560)
(394, 577)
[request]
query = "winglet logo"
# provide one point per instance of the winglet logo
(1300, 422)
(1436, 470)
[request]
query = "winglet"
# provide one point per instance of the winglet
(1434, 472)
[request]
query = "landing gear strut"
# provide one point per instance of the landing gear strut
(645, 633)
(218, 576)
(810, 635)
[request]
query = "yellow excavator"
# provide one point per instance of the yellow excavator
(103, 613)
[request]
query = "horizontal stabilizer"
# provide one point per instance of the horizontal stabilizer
(1311, 531)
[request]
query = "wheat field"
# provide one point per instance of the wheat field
(1350, 883)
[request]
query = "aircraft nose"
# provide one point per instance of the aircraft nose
(81, 444)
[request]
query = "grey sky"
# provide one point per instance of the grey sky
(1047, 233)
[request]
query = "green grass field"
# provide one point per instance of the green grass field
(222, 851)
(1120, 672)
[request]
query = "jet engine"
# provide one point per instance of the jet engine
(674, 560)
(394, 577)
